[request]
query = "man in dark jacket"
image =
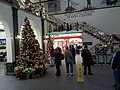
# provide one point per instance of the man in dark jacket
(116, 66)
(72, 49)
(86, 55)
(57, 61)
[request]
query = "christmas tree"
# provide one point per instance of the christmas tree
(47, 54)
(49, 43)
(30, 57)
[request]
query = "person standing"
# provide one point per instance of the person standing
(57, 62)
(115, 63)
(86, 56)
(88, 3)
(72, 49)
(69, 61)
(52, 58)
(60, 51)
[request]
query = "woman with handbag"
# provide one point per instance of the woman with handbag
(57, 62)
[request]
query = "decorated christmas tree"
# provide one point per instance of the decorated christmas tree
(30, 59)
(49, 43)
(47, 54)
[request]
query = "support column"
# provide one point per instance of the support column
(10, 65)
(15, 30)
(43, 35)
(43, 32)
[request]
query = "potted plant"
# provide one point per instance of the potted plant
(30, 72)
(19, 72)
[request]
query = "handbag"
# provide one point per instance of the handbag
(62, 56)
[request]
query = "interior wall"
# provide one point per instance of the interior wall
(2, 35)
(6, 18)
(106, 20)
(81, 4)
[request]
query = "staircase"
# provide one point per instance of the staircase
(116, 38)
(102, 50)
(37, 8)
(96, 33)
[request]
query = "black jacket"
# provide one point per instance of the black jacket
(86, 55)
(116, 61)
(57, 59)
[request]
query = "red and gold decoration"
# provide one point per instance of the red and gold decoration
(30, 55)
(64, 35)
(78, 26)
(36, 9)
(49, 44)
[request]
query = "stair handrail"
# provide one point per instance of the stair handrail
(94, 30)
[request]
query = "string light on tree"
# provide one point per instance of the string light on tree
(30, 54)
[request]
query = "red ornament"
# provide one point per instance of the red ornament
(33, 36)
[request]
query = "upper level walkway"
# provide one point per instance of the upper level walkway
(102, 79)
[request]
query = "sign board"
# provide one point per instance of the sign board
(80, 73)
(64, 35)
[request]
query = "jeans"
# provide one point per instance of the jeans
(69, 66)
(52, 60)
(58, 71)
(117, 79)
(85, 69)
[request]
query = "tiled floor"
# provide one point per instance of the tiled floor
(101, 80)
